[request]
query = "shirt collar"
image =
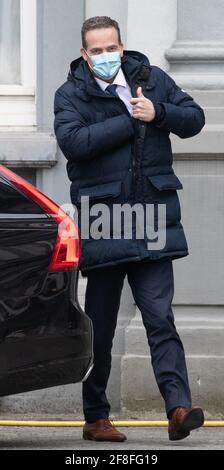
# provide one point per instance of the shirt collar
(119, 80)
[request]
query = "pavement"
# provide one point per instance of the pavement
(24, 438)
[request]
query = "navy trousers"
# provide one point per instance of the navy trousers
(152, 286)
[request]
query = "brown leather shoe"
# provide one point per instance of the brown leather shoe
(184, 420)
(102, 430)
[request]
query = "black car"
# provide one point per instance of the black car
(45, 337)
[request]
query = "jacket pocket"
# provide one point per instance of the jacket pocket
(100, 191)
(106, 194)
(165, 182)
(163, 190)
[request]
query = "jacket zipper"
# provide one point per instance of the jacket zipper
(132, 145)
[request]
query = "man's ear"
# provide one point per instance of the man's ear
(83, 53)
(122, 49)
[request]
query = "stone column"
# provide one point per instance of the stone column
(197, 55)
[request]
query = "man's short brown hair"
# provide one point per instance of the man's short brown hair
(97, 22)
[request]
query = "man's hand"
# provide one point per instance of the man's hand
(143, 108)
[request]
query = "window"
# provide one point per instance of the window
(28, 174)
(17, 62)
(9, 42)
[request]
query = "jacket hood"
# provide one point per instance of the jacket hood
(80, 73)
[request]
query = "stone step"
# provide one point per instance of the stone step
(203, 340)
(139, 390)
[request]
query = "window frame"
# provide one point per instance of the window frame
(17, 102)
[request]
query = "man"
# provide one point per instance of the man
(116, 141)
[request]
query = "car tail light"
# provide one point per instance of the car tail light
(66, 253)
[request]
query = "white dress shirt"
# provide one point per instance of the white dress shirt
(123, 89)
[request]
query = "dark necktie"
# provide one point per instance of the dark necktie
(112, 90)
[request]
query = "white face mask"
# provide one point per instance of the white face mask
(106, 65)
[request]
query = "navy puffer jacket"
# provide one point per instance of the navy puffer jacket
(100, 140)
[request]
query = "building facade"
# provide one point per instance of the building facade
(38, 40)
